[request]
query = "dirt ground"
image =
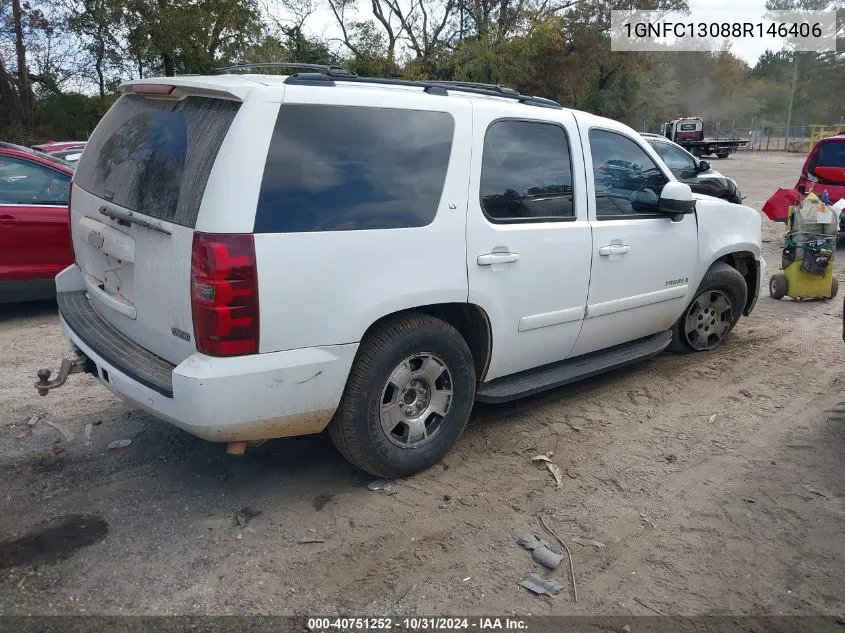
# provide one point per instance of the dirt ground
(710, 483)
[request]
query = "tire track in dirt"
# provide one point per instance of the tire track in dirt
(717, 470)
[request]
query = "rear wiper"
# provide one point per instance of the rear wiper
(128, 217)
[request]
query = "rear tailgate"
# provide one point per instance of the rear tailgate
(136, 197)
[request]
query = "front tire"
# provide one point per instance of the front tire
(713, 313)
(407, 399)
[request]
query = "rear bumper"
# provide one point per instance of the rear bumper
(243, 398)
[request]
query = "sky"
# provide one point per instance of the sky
(323, 22)
(741, 11)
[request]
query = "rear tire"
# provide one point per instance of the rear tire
(778, 286)
(407, 399)
(834, 287)
(723, 154)
(713, 312)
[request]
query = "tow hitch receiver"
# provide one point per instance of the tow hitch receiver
(69, 366)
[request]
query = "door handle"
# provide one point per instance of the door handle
(614, 249)
(489, 259)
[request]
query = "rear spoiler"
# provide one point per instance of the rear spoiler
(233, 87)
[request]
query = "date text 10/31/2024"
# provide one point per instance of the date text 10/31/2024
(415, 625)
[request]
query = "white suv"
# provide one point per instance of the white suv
(260, 256)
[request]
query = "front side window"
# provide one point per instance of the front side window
(626, 180)
(526, 173)
(677, 159)
(25, 182)
(344, 168)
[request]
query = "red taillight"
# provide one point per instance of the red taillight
(224, 294)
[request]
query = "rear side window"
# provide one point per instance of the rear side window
(526, 173)
(342, 168)
(154, 156)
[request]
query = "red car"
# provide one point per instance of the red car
(34, 231)
(57, 146)
(826, 162)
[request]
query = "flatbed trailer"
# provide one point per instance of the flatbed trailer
(688, 132)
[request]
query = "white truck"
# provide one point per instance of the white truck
(261, 256)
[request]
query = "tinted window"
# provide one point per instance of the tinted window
(24, 182)
(338, 168)
(830, 154)
(526, 172)
(154, 156)
(627, 181)
(676, 159)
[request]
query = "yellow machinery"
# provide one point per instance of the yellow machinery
(818, 132)
(809, 248)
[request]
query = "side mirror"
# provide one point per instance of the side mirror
(703, 165)
(676, 199)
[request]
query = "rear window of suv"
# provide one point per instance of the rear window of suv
(345, 168)
(154, 156)
(830, 154)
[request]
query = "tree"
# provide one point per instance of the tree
(96, 23)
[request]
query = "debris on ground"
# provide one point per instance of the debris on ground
(531, 542)
(245, 515)
(58, 447)
(23, 434)
(551, 466)
(671, 458)
(89, 430)
(713, 418)
(310, 539)
(35, 419)
(540, 550)
(382, 485)
(551, 532)
(588, 542)
(547, 557)
(647, 520)
(119, 444)
(542, 586)
(65, 432)
(647, 606)
(626, 628)
(840, 619)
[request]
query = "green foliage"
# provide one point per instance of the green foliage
(553, 48)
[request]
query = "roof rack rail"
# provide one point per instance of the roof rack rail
(328, 69)
(434, 86)
(475, 84)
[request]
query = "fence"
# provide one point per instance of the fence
(764, 137)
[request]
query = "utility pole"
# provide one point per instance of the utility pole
(791, 97)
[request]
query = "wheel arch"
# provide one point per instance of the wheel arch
(470, 320)
(747, 265)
